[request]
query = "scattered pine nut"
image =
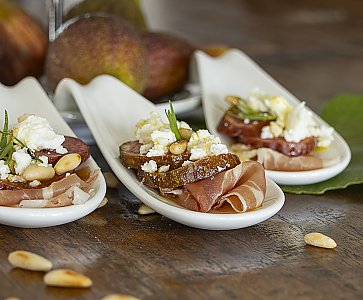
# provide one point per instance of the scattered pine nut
(67, 278)
(29, 261)
(119, 297)
(178, 147)
(319, 240)
(67, 163)
(145, 210)
(12, 298)
(103, 202)
(111, 180)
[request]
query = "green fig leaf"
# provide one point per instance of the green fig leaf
(345, 114)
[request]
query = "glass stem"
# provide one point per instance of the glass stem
(55, 14)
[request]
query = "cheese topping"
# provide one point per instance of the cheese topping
(150, 166)
(36, 133)
(202, 144)
(156, 136)
(22, 160)
(31, 133)
(292, 123)
(4, 170)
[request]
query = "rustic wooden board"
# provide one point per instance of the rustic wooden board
(315, 49)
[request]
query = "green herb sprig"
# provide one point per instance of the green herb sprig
(241, 110)
(7, 142)
(170, 114)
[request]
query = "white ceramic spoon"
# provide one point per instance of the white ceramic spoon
(29, 97)
(234, 73)
(111, 110)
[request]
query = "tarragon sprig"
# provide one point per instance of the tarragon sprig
(170, 114)
(241, 110)
(7, 142)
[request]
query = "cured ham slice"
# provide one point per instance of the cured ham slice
(55, 193)
(275, 161)
(243, 188)
(249, 191)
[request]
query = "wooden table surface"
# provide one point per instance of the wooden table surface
(315, 49)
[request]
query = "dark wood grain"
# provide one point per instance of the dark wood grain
(315, 49)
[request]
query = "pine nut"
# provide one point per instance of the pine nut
(145, 210)
(319, 240)
(36, 172)
(178, 147)
(185, 133)
(23, 117)
(67, 278)
(119, 297)
(29, 261)
(103, 202)
(232, 100)
(111, 180)
(67, 163)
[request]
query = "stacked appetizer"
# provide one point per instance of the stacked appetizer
(193, 169)
(39, 168)
(269, 129)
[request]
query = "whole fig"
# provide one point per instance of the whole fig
(168, 61)
(95, 45)
(23, 44)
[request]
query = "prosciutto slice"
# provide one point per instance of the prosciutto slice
(275, 161)
(243, 188)
(57, 193)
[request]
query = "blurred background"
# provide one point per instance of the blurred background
(313, 47)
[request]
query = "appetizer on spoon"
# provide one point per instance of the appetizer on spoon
(39, 168)
(278, 135)
(193, 169)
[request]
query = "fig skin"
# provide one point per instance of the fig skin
(23, 44)
(128, 10)
(168, 61)
(95, 45)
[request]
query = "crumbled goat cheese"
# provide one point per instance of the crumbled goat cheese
(292, 123)
(22, 160)
(164, 168)
(202, 144)
(34, 183)
(16, 178)
(150, 166)
(44, 161)
(161, 140)
(36, 133)
(4, 170)
(183, 125)
(300, 125)
(145, 148)
(145, 128)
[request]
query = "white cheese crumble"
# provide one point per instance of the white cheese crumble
(34, 183)
(44, 161)
(300, 125)
(161, 139)
(36, 133)
(202, 144)
(16, 178)
(155, 135)
(292, 123)
(164, 168)
(22, 160)
(150, 166)
(145, 128)
(4, 170)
